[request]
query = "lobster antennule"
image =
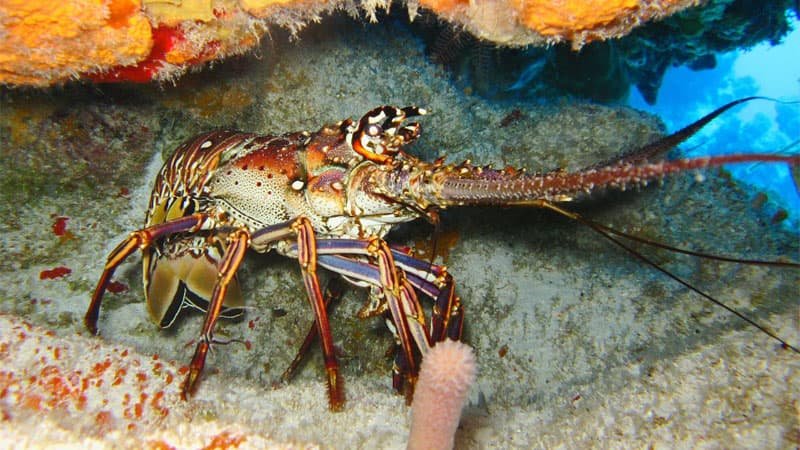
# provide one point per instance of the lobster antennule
(467, 185)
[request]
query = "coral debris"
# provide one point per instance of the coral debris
(111, 390)
(86, 394)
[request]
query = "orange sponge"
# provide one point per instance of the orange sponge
(517, 22)
(551, 18)
(45, 41)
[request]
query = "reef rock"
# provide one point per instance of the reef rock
(143, 40)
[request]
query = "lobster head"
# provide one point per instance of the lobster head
(381, 133)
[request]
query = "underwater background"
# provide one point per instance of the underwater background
(768, 69)
(579, 344)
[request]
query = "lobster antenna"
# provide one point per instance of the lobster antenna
(602, 229)
(666, 143)
(652, 243)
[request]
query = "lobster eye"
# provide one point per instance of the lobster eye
(374, 130)
(369, 142)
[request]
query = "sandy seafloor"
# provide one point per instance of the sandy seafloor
(579, 344)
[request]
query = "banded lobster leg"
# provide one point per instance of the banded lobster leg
(430, 279)
(332, 293)
(141, 240)
(306, 248)
(447, 318)
(238, 241)
(403, 305)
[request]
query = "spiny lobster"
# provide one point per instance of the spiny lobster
(327, 199)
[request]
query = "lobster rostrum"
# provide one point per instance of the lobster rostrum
(327, 199)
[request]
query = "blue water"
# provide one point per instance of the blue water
(759, 126)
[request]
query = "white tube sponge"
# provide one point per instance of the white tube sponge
(447, 372)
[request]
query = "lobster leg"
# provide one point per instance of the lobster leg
(405, 367)
(406, 324)
(424, 276)
(306, 249)
(405, 310)
(430, 279)
(391, 278)
(140, 239)
(307, 256)
(367, 272)
(399, 276)
(333, 292)
(239, 241)
(447, 318)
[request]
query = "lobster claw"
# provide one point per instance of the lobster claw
(380, 133)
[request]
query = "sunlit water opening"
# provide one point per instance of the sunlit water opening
(756, 127)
